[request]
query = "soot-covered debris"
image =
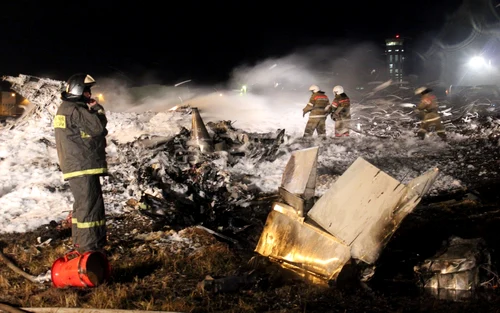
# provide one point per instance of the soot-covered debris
(181, 187)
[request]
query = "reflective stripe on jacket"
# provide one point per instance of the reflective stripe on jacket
(318, 106)
(342, 105)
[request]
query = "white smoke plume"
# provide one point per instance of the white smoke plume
(257, 93)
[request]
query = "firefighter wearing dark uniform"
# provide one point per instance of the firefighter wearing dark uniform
(80, 133)
(341, 112)
(318, 107)
(428, 112)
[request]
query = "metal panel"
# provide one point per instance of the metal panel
(355, 218)
(423, 183)
(290, 239)
(365, 206)
(369, 244)
(361, 197)
(292, 199)
(466, 280)
(299, 176)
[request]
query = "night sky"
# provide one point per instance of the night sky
(167, 42)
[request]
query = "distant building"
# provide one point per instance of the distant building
(397, 60)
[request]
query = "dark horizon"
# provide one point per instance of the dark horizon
(204, 42)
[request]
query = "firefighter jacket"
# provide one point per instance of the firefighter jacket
(80, 135)
(318, 106)
(341, 106)
(428, 104)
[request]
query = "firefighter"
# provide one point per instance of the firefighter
(80, 133)
(318, 107)
(428, 112)
(341, 112)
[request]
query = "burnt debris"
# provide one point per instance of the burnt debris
(181, 183)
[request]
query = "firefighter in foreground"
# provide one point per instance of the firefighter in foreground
(80, 133)
(318, 107)
(341, 112)
(428, 112)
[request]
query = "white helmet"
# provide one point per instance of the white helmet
(314, 88)
(337, 90)
(420, 90)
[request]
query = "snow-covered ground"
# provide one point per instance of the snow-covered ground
(33, 193)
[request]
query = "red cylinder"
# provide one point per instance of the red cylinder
(89, 269)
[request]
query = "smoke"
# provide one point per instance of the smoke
(326, 66)
(290, 72)
(270, 92)
(113, 94)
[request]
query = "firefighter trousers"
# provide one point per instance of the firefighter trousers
(315, 124)
(88, 228)
(431, 122)
(342, 125)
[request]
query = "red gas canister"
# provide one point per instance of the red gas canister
(89, 269)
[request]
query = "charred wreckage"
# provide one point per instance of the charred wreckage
(316, 238)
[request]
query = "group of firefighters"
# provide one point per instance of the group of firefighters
(319, 108)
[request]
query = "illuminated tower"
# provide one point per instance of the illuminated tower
(395, 58)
